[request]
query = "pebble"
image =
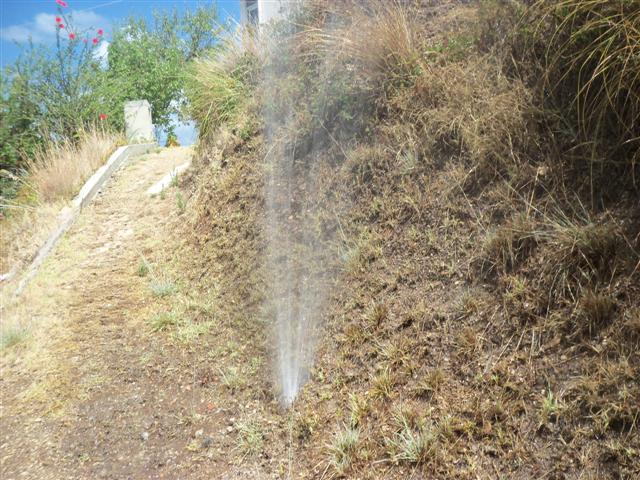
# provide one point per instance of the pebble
(144, 436)
(206, 442)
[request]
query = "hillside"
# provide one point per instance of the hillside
(407, 247)
(474, 265)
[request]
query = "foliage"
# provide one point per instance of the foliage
(156, 57)
(57, 93)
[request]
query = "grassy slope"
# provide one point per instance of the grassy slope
(486, 321)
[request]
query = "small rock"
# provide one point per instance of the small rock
(199, 433)
(229, 429)
(144, 436)
(206, 442)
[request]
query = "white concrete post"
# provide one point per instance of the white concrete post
(137, 120)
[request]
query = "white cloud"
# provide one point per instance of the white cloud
(42, 29)
(101, 53)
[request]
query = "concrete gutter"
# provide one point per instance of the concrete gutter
(167, 179)
(68, 215)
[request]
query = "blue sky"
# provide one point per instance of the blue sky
(21, 19)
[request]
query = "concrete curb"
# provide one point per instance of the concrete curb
(158, 187)
(68, 215)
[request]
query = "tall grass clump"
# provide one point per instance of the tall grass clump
(219, 84)
(58, 171)
(381, 38)
(593, 57)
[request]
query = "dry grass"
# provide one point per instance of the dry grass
(410, 319)
(220, 84)
(55, 175)
(381, 38)
(59, 170)
(593, 53)
(24, 231)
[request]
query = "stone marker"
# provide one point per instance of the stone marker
(137, 120)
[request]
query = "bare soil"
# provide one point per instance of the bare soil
(94, 391)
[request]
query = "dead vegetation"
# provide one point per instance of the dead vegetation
(55, 175)
(488, 273)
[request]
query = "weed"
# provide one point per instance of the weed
(59, 170)
(383, 40)
(415, 446)
(509, 245)
(356, 335)
(431, 383)
(232, 378)
(220, 84)
(254, 365)
(305, 424)
(376, 313)
(343, 450)
(358, 409)
(591, 63)
(180, 203)
(143, 268)
(163, 321)
(175, 180)
(394, 354)
(405, 416)
(162, 287)
(382, 384)
(550, 407)
(469, 303)
(188, 330)
(594, 311)
(468, 342)
(583, 254)
(11, 335)
(250, 437)
(145, 358)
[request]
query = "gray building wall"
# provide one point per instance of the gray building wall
(259, 12)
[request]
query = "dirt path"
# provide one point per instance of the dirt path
(109, 383)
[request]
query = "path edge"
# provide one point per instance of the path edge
(69, 214)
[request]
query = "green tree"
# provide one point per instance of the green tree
(149, 61)
(54, 93)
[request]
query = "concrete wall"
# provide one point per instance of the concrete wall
(267, 10)
(138, 123)
(271, 10)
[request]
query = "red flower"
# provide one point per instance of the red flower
(58, 20)
(61, 25)
(72, 36)
(103, 116)
(61, 3)
(95, 41)
(100, 31)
